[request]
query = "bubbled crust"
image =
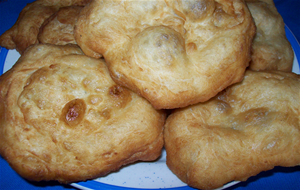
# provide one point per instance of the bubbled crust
(59, 28)
(271, 49)
(25, 31)
(248, 128)
(174, 53)
(63, 118)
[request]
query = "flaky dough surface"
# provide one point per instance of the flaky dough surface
(59, 28)
(174, 53)
(25, 31)
(63, 118)
(271, 49)
(248, 128)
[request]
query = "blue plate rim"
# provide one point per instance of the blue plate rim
(294, 43)
(3, 54)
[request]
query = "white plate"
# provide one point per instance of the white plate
(141, 175)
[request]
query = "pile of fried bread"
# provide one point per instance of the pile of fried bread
(103, 84)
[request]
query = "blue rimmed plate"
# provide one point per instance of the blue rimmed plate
(152, 175)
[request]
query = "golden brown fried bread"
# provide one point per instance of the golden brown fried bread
(25, 31)
(250, 127)
(173, 53)
(271, 49)
(63, 118)
(59, 28)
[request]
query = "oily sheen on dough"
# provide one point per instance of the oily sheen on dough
(174, 53)
(63, 118)
(249, 127)
(271, 49)
(25, 31)
(59, 28)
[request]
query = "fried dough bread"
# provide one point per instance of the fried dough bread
(25, 31)
(173, 53)
(271, 49)
(59, 28)
(63, 118)
(249, 127)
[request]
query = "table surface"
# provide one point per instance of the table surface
(278, 178)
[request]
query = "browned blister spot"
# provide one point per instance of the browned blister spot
(191, 47)
(119, 95)
(73, 112)
(106, 113)
(54, 66)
